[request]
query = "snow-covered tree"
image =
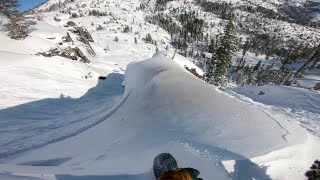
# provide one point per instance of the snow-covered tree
(314, 172)
(315, 57)
(218, 66)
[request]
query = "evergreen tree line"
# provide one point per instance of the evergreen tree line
(58, 5)
(191, 30)
(291, 14)
(289, 52)
(270, 41)
(222, 9)
(218, 68)
(261, 75)
(97, 13)
(262, 43)
(192, 25)
(162, 2)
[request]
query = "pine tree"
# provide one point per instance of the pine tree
(17, 27)
(314, 57)
(210, 67)
(219, 65)
(229, 40)
(9, 7)
(314, 172)
(221, 61)
(257, 66)
(148, 39)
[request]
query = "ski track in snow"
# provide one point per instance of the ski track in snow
(109, 111)
(105, 112)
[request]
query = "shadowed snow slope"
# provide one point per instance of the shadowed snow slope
(166, 109)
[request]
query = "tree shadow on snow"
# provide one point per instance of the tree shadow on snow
(39, 121)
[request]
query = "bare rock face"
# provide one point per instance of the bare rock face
(69, 52)
(83, 58)
(83, 33)
(72, 52)
(194, 72)
(57, 19)
(84, 37)
(67, 38)
(88, 46)
(71, 24)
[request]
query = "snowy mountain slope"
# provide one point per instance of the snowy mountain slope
(162, 113)
(299, 104)
(57, 121)
(37, 42)
(271, 4)
(33, 78)
(249, 23)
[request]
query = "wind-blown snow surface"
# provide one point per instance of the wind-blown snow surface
(164, 108)
(299, 104)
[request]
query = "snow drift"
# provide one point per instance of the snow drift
(166, 109)
(171, 98)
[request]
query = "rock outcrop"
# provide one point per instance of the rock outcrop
(69, 52)
(57, 19)
(84, 37)
(83, 33)
(70, 24)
